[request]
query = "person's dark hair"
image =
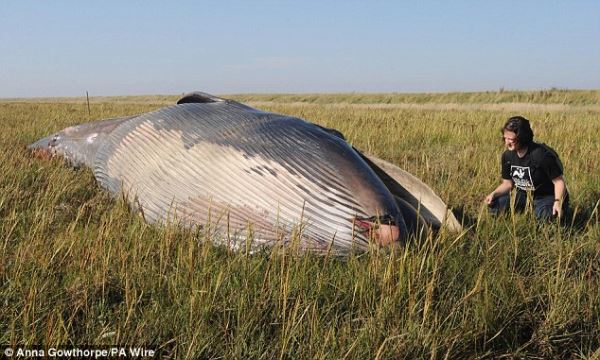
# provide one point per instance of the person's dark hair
(520, 126)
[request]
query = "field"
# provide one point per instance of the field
(78, 267)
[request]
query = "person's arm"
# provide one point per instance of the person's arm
(552, 166)
(502, 189)
(559, 195)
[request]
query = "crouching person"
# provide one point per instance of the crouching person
(529, 167)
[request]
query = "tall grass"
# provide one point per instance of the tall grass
(78, 267)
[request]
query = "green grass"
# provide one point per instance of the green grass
(78, 267)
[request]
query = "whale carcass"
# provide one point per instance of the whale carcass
(251, 176)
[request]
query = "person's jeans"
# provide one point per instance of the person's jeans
(542, 205)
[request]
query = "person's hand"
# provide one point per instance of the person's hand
(557, 209)
(489, 199)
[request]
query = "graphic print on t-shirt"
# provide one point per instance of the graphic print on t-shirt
(521, 175)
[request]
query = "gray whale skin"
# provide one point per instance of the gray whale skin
(251, 177)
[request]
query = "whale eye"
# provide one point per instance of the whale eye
(54, 140)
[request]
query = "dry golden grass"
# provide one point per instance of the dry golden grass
(77, 267)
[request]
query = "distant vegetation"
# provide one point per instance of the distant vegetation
(78, 267)
(552, 96)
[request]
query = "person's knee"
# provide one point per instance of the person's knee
(543, 207)
(543, 212)
(499, 205)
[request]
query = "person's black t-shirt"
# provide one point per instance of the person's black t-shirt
(534, 171)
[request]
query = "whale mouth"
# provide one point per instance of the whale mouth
(42, 153)
(382, 229)
(44, 148)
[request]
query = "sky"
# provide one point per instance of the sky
(65, 48)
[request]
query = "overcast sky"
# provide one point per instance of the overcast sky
(63, 48)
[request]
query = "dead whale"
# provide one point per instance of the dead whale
(251, 176)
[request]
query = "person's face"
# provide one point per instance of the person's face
(510, 140)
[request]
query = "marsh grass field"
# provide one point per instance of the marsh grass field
(78, 267)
